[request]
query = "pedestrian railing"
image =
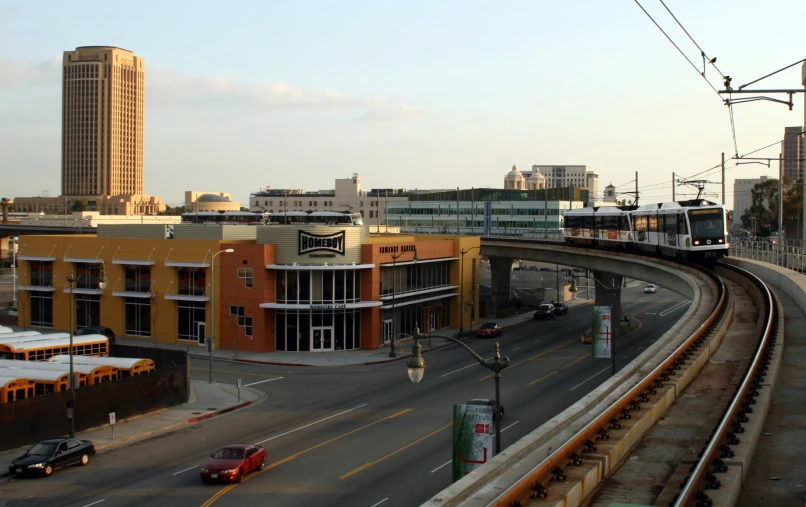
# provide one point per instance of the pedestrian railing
(786, 255)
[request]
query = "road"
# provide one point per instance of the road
(356, 436)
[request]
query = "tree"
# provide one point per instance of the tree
(5, 203)
(765, 205)
(172, 211)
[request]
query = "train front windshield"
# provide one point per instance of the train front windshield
(707, 226)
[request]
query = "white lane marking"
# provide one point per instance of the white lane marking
(511, 425)
(516, 348)
(595, 374)
(535, 341)
(262, 381)
(94, 503)
(311, 424)
(377, 504)
(648, 313)
(185, 470)
(678, 306)
(464, 367)
(625, 357)
(442, 465)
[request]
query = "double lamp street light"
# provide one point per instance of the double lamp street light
(395, 257)
(213, 309)
(416, 370)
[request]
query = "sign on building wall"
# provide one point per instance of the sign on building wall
(602, 329)
(309, 243)
(473, 430)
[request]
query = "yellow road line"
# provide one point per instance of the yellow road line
(367, 465)
(542, 378)
(560, 358)
(575, 340)
(580, 358)
(223, 491)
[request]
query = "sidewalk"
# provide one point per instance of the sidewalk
(203, 395)
(350, 357)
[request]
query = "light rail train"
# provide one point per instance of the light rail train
(694, 229)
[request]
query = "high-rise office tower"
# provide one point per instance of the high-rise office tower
(792, 150)
(102, 122)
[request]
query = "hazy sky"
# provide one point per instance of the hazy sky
(409, 94)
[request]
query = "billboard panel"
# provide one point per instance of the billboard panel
(601, 328)
(473, 430)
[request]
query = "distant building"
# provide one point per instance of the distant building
(347, 196)
(742, 197)
(554, 176)
(210, 201)
(610, 194)
(793, 153)
(103, 107)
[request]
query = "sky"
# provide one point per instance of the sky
(412, 94)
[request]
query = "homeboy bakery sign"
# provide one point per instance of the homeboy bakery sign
(316, 242)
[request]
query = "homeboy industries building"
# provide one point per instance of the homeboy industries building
(282, 287)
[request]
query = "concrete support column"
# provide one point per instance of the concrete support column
(608, 293)
(501, 273)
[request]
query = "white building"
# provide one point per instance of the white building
(554, 176)
(347, 196)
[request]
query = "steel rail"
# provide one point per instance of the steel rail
(530, 486)
(702, 477)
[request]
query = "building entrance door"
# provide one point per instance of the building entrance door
(387, 330)
(432, 320)
(201, 330)
(321, 339)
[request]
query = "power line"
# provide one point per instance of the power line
(705, 58)
(677, 47)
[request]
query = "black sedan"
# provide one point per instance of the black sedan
(49, 455)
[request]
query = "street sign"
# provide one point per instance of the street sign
(602, 330)
(112, 419)
(239, 383)
(473, 430)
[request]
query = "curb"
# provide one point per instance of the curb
(275, 363)
(193, 420)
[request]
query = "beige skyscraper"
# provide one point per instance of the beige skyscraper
(102, 122)
(792, 149)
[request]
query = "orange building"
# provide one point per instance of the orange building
(313, 287)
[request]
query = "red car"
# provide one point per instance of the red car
(560, 309)
(233, 462)
(489, 330)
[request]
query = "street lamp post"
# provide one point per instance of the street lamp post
(416, 370)
(14, 240)
(213, 307)
(394, 290)
(462, 290)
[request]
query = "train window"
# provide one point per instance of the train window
(682, 227)
(610, 222)
(652, 223)
(588, 221)
(625, 223)
(670, 224)
(641, 223)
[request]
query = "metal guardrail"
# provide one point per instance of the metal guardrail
(788, 255)
(702, 477)
(533, 484)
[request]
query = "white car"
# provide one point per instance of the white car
(650, 288)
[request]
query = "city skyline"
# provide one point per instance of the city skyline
(415, 96)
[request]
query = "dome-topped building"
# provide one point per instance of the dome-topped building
(536, 180)
(210, 201)
(514, 179)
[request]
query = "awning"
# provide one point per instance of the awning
(132, 294)
(321, 307)
(418, 261)
(186, 297)
(36, 288)
(133, 263)
(415, 301)
(84, 260)
(418, 292)
(319, 267)
(84, 291)
(185, 264)
(36, 258)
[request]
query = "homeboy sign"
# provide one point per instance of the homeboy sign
(314, 242)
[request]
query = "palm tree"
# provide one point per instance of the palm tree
(5, 203)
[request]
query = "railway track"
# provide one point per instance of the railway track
(574, 474)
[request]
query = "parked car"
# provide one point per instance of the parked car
(97, 330)
(491, 403)
(233, 462)
(489, 330)
(560, 309)
(49, 455)
(544, 311)
(650, 288)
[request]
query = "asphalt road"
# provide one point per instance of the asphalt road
(354, 436)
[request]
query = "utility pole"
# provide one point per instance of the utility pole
(780, 199)
(636, 188)
(458, 233)
(723, 178)
(673, 188)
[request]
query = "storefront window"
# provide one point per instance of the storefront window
(88, 310)
(41, 273)
(138, 278)
(294, 330)
(138, 316)
(192, 281)
(191, 320)
(41, 309)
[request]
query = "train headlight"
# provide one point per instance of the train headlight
(721, 241)
(696, 242)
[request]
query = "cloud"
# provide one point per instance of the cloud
(166, 88)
